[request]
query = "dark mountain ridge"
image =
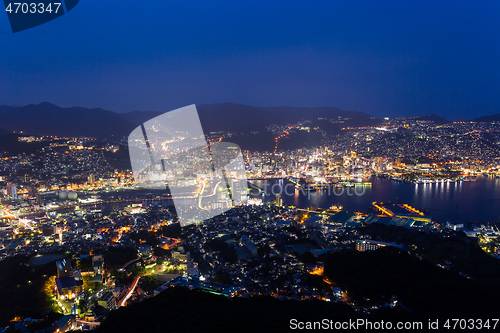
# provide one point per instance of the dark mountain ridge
(181, 310)
(4, 132)
(310, 113)
(487, 119)
(438, 120)
(139, 117)
(236, 117)
(49, 119)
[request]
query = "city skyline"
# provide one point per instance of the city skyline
(95, 240)
(249, 166)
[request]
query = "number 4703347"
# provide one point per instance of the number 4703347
(32, 8)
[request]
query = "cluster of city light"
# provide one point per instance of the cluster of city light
(277, 138)
(317, 271)
(414, 210)
(383, 210)
(130, 292)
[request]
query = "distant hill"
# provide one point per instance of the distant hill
(10, 143)
(298, 113)
(218, 117)
(264, 140)
(487, 119)
(236, 117)
(139, 117)
(438, 120)
(49, 119)
(4, 132)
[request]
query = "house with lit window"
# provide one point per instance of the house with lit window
(66, 285)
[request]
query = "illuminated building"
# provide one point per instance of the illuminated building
(91, 179)
(67, 286)
(12, 190)
(279, 200)
(107, 301)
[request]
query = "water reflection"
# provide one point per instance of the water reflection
(462, 201)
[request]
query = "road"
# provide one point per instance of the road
(92, 324)
(130, 292)
(131, 261)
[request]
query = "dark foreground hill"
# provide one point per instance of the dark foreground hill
(426, 290)
(372, 279)
(182, 310)
(22, 288)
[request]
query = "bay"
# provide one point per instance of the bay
(477, 201)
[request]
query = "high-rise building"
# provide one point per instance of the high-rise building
(98, 264)
(91, 179)
(12, 190)
(67, 286)
(64, 268)
(279, 200)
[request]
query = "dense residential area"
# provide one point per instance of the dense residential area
(81, 243)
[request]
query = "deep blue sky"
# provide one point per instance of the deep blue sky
(387, 58)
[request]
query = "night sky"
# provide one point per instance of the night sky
(386, 58)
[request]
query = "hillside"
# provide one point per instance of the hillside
(438, 120)
(414, 276)
(50, 119)
(181, 310)
(22, 288)
(487, 119)
(4, 132)
(139, 117)
(298, 113)
(10, 144)
(237, 117)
